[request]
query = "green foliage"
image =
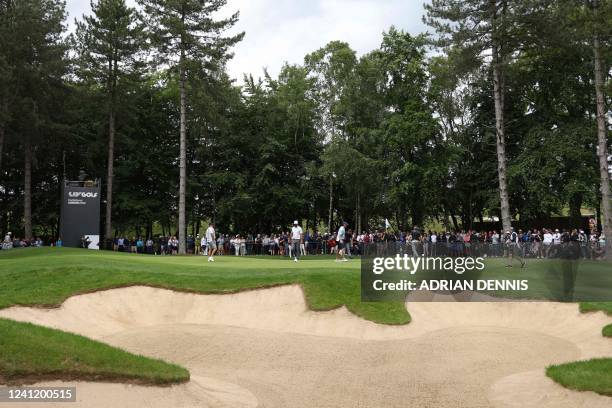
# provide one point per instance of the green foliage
(184, 32)
(108, 44)
(408, 134)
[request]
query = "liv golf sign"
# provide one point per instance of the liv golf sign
(80, 216)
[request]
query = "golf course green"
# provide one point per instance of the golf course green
(45, 277)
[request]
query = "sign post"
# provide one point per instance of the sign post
(80, 214)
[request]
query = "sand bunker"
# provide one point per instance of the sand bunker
(265, 348)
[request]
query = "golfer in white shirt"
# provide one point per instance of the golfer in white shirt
(297, 237)
(211, 242)
(340, 244)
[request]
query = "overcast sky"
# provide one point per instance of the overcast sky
(279, 31)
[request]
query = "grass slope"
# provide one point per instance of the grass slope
(47, 276)
(592, 375)
(31, 353)
(596, 306)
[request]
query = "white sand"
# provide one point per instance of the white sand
(265, 348)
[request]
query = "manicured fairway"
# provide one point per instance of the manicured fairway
(47, 276)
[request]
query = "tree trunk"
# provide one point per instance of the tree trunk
(108, 234)
(1, 144)
(602, 153)
(4, 108)
(331, 203)
(455, 223)
(27, 190)
(470, 213)
(575, 204)
(498, 95)
(598, 215)
(358, 221)
(182, 160)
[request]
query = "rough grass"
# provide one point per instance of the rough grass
(592, 375)
(30, 353)
(596, 306)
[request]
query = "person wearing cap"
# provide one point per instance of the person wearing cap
(297, 237)
(514, 248)
(340, 246)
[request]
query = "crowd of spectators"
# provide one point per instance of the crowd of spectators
(536, 243)
(10, 242)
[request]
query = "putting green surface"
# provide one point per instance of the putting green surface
(47, 276)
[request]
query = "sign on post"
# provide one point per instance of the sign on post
(80, 214)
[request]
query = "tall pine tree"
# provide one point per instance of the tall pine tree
(39, 60)
(482, 31)
(191, 41)
(601, 23)
(107, 45)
